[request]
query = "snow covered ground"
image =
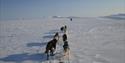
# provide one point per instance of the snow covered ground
(91, 40)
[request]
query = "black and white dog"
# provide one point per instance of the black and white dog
(50, 47)
(66, 45)
(63, 28)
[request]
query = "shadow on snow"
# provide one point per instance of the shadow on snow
(24, 57)
(18, 58)
(53, 31)
(36, 44)
(48, 36)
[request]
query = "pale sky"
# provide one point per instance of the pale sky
(39, 8)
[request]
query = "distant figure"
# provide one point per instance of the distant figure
(50, 47)
(70, 19)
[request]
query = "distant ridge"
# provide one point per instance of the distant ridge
(66, 17)
(119, 16)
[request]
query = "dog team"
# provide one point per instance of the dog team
(51, 45)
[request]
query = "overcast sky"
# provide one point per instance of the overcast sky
(39, 8)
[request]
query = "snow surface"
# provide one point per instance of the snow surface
(91, 40)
